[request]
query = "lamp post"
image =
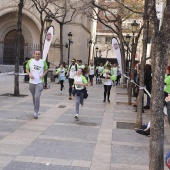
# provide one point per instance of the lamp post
(134, 25)
(69, 42)
(96, 54)
(134, 46)
(48, 22)
(108, 49)
(90, 43)
(127, 40)
(100, 55)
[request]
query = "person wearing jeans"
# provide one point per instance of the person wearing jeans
(79, 84)
(71, 73)
(36, 68)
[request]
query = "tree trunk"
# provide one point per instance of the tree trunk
(18, 50)
(161, 42)
(61, 43)
(142, 66)
(41, 33)
(157, 116)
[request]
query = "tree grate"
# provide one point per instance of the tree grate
(61, 106)
(12, 95)
(125, 125)
(86, 123)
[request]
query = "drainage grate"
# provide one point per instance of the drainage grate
(87, 123)
(125, 125)
(122, 93)
(61, 106)
(12, 95)
(121, 103)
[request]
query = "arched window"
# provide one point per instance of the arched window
(10, 42)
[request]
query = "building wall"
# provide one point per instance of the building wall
(80, 27)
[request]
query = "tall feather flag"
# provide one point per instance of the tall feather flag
(116, 48)
(48, 40)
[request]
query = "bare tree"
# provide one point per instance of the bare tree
(18, 48)
(42, 20)
(62, 11)
(142, 65)
(160, 51)
(105, 13)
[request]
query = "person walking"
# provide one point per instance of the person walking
(36, 68)
(71, 73)
(91, 73)
(61, 72)
(26, 76)
(79, 84)
(108, 77)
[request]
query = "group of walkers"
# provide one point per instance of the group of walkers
(78, 76)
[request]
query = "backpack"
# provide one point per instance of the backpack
(71, 66)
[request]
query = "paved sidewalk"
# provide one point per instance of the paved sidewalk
(102, 139)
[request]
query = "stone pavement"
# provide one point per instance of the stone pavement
(102, 139)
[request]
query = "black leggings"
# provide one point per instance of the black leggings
(71, 82)
(107, 89)
(62, 84)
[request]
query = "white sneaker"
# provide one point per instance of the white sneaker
(76, 116)
(36, 115)
(61, 92)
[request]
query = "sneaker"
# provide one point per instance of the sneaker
(76, 116)
(104, 100)
(36, 115)
(108, 100)
(61, 92)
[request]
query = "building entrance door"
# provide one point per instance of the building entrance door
(10, 43)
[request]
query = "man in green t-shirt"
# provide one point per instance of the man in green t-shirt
(36, 68)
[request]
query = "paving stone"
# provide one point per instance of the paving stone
(16, 114)
(130, 155)
(60, 150)
(88, 133)
(8, 126)
(39, 166)
(128, 136)
(87, 112)
(71, 120)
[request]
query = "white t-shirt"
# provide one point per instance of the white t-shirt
(72, 71)
(91, 70)
(36, 68)
(100, 69)
(107, 82)
(115, 69)
(80, 80)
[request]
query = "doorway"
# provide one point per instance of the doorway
(10, 42)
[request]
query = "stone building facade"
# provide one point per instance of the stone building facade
(80, 27)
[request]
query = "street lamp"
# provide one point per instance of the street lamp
(134, 25)
(127, 40)
(90, 43)
(100, 55)
(108, 49)
(48, 22)
(69, 42)
(96, 55)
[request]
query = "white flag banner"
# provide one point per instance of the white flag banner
(48, 39)
(116, 48)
